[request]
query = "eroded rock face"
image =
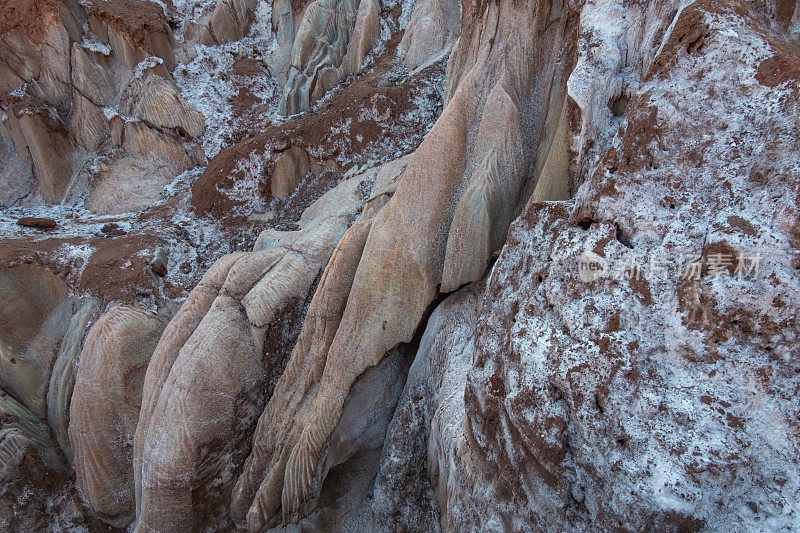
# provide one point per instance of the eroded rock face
(105, 408)
(431, 32)
(422, 443)
(40, 340)
(224, 349)
(665, 386)
(616, 135)
(71, 70)
(413, 248)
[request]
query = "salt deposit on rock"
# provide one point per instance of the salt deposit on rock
(426, 265)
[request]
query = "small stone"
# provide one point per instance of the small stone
(159, 263)
(112, 229)
(37, 222)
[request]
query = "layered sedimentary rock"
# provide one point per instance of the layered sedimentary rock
(434, 27)
(105, 408)
(76, 74)
(571, 302)
(222, 350)
(40, 340)
(332, 40)
(432, 234)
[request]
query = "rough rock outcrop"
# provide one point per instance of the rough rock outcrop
(231, 19)
(225, 348)
(422, 443)
(105, 408)
(592, 259)
(69, 71)
(432, 234)
(332, 40)
(654, 394)
(40, 340)
(42, 141)
(434, 27)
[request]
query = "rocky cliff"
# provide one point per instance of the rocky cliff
(359, 265)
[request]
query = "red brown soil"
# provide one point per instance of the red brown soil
(32, 17)
(688, 34)
(782, 67)
(114, 271)
(312, 132)
(784, 10)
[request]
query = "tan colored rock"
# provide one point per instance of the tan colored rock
(105, 408)
(92, 76)
(434, 27)
(134, 29)
(231, 19)
(366, 32)
(37, 312)
(24, 431)
(434, 232)
(184, 452)
(37, 131)
(291, 167)
(156, 100)
(16, 171)
(29, 294)
(88, 123)
(35, 40)
(62, 377)
(134, 182)
(553, 172)
(283, 27)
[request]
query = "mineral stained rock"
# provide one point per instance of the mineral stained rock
(382, 265)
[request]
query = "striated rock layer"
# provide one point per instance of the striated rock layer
(105, 408)
(502, 266)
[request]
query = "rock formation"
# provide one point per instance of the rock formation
(358, 265)
(223, 349)
(105, 408)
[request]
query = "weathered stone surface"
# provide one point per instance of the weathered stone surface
(37, 312)
(408, 254)
(37, 222)
(234, 311)
(67, 76)
(62, 377)
(319, 48)
(105, 408)
(366, 32)
(615, 133)
(153, 159)
(644, 401)
(156, 100)
(39, 133)
(291, 167)
(231, 19)
(421, 445)
(434, 27)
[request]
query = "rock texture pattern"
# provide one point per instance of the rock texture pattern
(355, 265)
(624, 402)
(105, 408)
